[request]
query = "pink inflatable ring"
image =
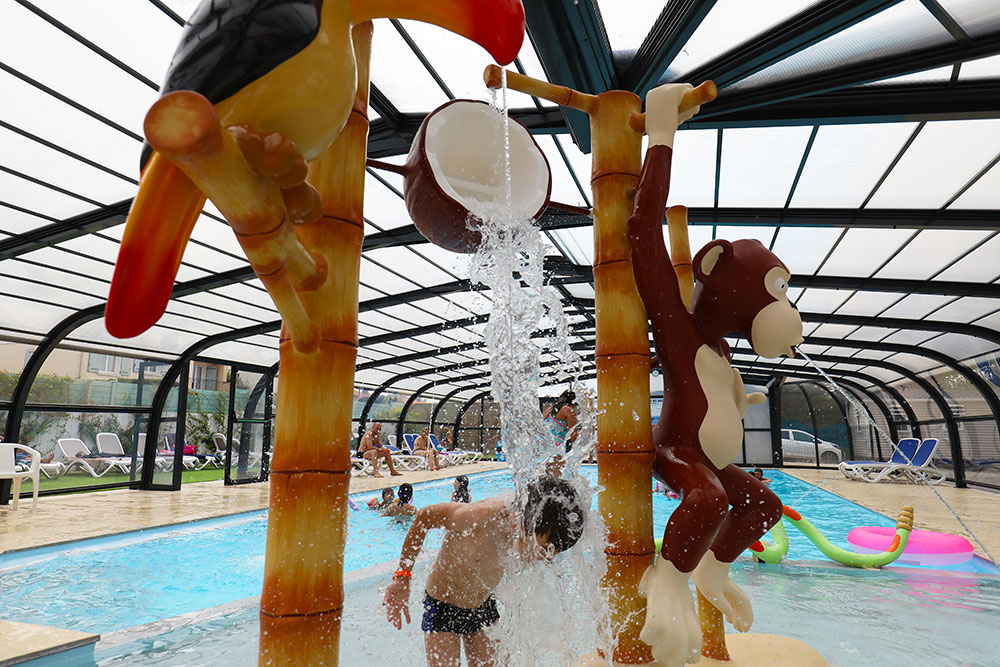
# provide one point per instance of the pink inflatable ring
(924, 547)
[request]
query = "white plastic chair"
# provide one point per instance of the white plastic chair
(8, 470)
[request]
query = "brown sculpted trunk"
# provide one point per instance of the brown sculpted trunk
(302, 599)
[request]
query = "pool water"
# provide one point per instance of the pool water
(110, 584)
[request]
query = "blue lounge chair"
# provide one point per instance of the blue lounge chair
(910, 462)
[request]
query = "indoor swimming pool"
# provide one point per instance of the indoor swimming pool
(182, 594)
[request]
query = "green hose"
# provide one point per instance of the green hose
(904, 524)
(775, 553)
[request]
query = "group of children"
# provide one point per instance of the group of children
(398, 503)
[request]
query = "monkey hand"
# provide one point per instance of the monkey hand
(671, 628)
(744, 400)
(712, 579)
(663, 113)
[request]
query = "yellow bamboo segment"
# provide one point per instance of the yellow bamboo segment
(184, 127)
(302, 600)
(680, 251)
(713, 631)
(561, 95)
(625, 448)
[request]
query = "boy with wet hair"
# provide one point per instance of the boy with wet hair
(459, 603)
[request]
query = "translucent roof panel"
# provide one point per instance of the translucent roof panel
(958, 150)
(977, 17)
(862, 251)
(759, 164)
(936, 75)
(398, 73)
(890, 32)
(929, 252)
(626, 30)
(846, 161)
(984, 193)
(980, 265)
(692, 172)
(731, 22)
(982, 68)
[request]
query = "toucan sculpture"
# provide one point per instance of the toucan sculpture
(265, 112)
(282, 77)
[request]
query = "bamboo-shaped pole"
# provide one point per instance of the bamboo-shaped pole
(713, 630)
(302, 600)
(624, 443)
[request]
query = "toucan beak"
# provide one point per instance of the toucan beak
(496, 25)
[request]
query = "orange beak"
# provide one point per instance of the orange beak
(496, 25)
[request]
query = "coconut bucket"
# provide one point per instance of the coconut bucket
(454, 173)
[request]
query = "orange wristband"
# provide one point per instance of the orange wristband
(403, 573)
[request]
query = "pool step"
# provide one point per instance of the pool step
(39, 646)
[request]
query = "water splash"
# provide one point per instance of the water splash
(527, 339)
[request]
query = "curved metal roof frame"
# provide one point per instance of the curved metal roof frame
(760, 88)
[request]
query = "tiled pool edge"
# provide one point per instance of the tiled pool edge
(38, 646)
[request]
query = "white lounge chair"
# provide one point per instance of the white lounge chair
(444, 459)
(470, 456)
(9, 471)
(110, 444)
(75, 453)
(187, 460)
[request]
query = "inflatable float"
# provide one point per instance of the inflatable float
(925, 548)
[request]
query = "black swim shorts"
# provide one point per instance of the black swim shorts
(444, 617)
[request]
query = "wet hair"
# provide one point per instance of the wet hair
(405, 493)
(568, 397)
(461, 494)
(553, 509)
(758, 471)
(391, 493)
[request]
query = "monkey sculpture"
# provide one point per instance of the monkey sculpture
(741, 287)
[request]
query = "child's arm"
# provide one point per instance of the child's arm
(397, 595)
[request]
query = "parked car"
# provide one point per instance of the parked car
(799, 445)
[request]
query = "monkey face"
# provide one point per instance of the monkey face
(742, 286)
(777, 327)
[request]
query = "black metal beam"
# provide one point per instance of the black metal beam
(674, 26)
(796, 33)
(865, 71)
(868, 104)
(892, 218)
(974, 378)
(574, 51)
(940, 287)
(71, 228)
(901, 323)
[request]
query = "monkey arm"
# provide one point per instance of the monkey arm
(654, 274)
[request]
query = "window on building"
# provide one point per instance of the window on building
(204, 377)
(105, 364)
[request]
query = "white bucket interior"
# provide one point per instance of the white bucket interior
(464, 146)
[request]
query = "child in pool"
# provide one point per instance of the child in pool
(461, 492)
(388, 495)
(759, 474)
(458, 602)
(402, 506)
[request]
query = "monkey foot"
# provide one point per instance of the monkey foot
(275, 156)
(671, 628)
(712, 578)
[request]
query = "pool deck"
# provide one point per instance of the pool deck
(79, 516)
(66, 518)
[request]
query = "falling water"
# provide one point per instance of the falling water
(527, 341)
(888, 438)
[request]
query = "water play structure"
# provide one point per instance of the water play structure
(265, 113)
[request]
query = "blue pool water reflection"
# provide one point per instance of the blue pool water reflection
(114, 583)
